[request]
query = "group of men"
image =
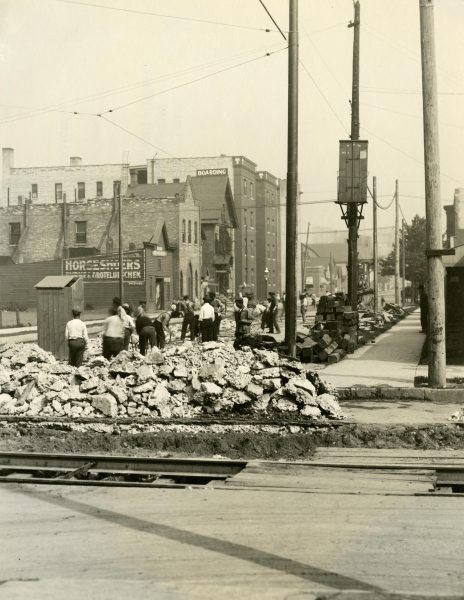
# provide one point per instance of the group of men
(208, 321)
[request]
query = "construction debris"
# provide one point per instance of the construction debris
(181, 381)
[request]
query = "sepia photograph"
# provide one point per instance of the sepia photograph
(232, 300)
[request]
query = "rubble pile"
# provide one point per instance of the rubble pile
(182, 381)
(338, 330)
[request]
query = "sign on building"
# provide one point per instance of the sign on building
(105, 267)
(206, 172)
(352, 172)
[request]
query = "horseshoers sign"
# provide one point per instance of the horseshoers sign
(105, 267)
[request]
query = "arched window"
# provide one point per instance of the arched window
(195, 233)
(196, 282)
(183, 231)
(181, 282)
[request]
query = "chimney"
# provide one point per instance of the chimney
(75, 161)
(459, 216)
(7, 159)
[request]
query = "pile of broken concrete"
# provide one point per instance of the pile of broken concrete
(185, 381)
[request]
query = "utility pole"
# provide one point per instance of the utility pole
(117, 191)
(352, 209)
(397, 245)
(292, 180)
(303, 281)
(436, 276)
(375, 243)
(403, 260)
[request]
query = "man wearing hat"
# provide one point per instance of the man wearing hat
(244, 321)
(77, 338)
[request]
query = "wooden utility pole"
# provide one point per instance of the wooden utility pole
(375, 243)
(352, 209)
(397, 244)
(303, 282)
(403, 260)
(292, 180)
(117, 190)
(433, 209)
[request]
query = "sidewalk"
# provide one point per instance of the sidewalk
(391, 361)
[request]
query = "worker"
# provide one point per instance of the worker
(188, 322)
(113, 334)
(219, 309)
(77, 338)
(273, 314)
(125, 312)
(304, 303)
(161, 324)
(206, 318)
(244, 321)
(146, 331)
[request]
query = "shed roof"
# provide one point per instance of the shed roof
(57, 281)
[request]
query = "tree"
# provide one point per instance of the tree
(416, 261)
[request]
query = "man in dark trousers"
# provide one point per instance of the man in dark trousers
(272, 314)
(218, 307)
(161, 324)
(424, 308)
(188, 321)
(146, 331)
(244, 321)
(77, 337)
(206, 318)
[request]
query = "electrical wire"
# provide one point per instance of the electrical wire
(323, 96)
(165, 16)
(379, 205)
(273, 20)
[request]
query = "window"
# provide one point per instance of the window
(195, 233)
(273, 251)
(268, 251)
(189, 238)
(252, 247)
(244, 217)
(161, 180)
(81, 232)
(268, 225)
(245, 186)
(99, 189)
(252, 219)
(183, 231)
(35, 190)
(252, 275)
(81, 190)
(273, 230)
(58, 192)
(251, 190)
(196, 282)
(15, 233)
(181, 283)
(131, 246)
(268, 195)
(176, 180)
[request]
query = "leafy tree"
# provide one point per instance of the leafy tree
(416, 262)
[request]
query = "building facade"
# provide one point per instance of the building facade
(54, 185)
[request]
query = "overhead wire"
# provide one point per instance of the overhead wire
(273, 20)
(165, 16)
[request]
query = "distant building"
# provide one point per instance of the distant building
(54, 185)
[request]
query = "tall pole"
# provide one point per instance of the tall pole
(397, 245)
(352, 209)
(303, 279)
(292, 180)
(376, 246)
(436, 293)
(117, 191)
(403, 260)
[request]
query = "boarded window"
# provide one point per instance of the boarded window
(81, 232)
(99, 189)
(15, 233)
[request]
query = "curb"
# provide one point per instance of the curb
(451, 395)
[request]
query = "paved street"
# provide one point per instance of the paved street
(206, 544)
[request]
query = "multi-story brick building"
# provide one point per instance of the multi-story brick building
(268, 230)
(44, 232)
(53, 185)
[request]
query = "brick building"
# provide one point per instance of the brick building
(51, 185)
(36, 233)
(267, 230)
(218, 221)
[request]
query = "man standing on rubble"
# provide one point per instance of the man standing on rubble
(218, 307)
(77, 338)
(146, 331)
(206, 318)
(188, 321)
(244, 321)
(113, 334)
(161, 324)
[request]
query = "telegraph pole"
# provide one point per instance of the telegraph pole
(397, 245)
(292, 180)
(352, 210)
(436, 312)
(303, 282)
(403, 260)
(375, 243)
(117, 191)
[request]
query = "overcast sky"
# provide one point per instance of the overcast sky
(67, 56)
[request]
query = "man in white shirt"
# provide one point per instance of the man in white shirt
(206, 318)
(77, 338)
(113, 335)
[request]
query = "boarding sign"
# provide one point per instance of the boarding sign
(105, 267)
(209, 172)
